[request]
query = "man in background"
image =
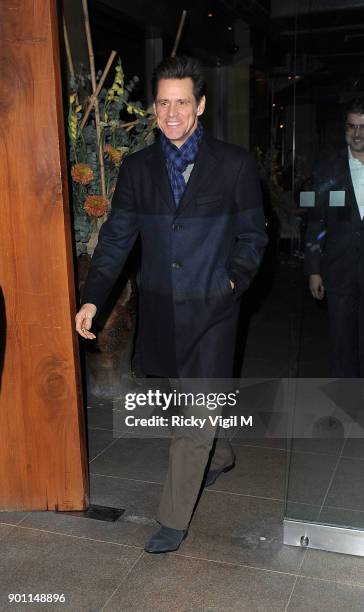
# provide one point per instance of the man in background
(334, 253)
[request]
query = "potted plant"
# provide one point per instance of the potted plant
(103, 129)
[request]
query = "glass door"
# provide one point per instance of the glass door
(317, 139)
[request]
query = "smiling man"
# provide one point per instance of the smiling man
(196, 203)
(334, 256)
(177, 109)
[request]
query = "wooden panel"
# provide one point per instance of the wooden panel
(42, 434)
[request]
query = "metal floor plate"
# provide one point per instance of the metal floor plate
(324, 537)
(98, 513)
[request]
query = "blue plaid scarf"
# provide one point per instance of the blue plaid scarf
(178, 159)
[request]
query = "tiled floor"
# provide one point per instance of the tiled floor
(233, 559)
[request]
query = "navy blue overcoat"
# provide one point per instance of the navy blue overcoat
(188, 312)
(334, 246)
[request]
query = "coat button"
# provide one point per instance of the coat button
(176, 265)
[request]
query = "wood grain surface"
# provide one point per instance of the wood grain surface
(42, 435)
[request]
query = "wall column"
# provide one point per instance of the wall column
(42, 435)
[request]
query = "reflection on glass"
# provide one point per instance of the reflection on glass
(326, 457)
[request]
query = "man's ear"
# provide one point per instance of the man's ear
(201, 105)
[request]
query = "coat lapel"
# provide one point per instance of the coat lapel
(345, 174)
(205, 166)
(158, 169)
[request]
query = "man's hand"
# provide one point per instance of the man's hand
(316, 286)
(232, 285)
(84, 321)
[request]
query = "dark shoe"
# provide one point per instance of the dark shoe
(165, 540)
(213, 475)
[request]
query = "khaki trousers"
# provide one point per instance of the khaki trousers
(191, 450)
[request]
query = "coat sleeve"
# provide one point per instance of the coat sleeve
(116, 238)
(251, 237)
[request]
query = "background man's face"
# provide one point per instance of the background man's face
(354, 135)
(177, 110)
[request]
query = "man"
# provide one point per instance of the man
(196, 203)
(335, 245)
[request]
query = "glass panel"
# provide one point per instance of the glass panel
(318, 138)
(326, 452)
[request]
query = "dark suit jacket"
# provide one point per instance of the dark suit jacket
(188, 311)
(338, 256)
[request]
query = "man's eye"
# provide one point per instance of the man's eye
(182, 102)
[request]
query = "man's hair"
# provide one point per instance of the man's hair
(356, 106)
(180, 67)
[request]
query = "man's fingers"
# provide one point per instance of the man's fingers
(318, 293)
(86, 323)
(83, 324)
(85, 333)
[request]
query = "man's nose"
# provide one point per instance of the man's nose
(172, 109)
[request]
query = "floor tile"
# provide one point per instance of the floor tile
(238, 529)
(333, 566)
(225, 527)
(86, 572)
(98, 441)
(277, 443)
(133, 495)
(309, 477)
(5, 529)
(354, 448)
(96, 402)
(347, 489)
(319, 445)
(139, 500)
(169, 583)
(258, 471)
(323, 596)
(138, 458)
(12, 518)
(100, 416)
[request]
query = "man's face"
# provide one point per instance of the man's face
(177, 110)
(354, 132)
